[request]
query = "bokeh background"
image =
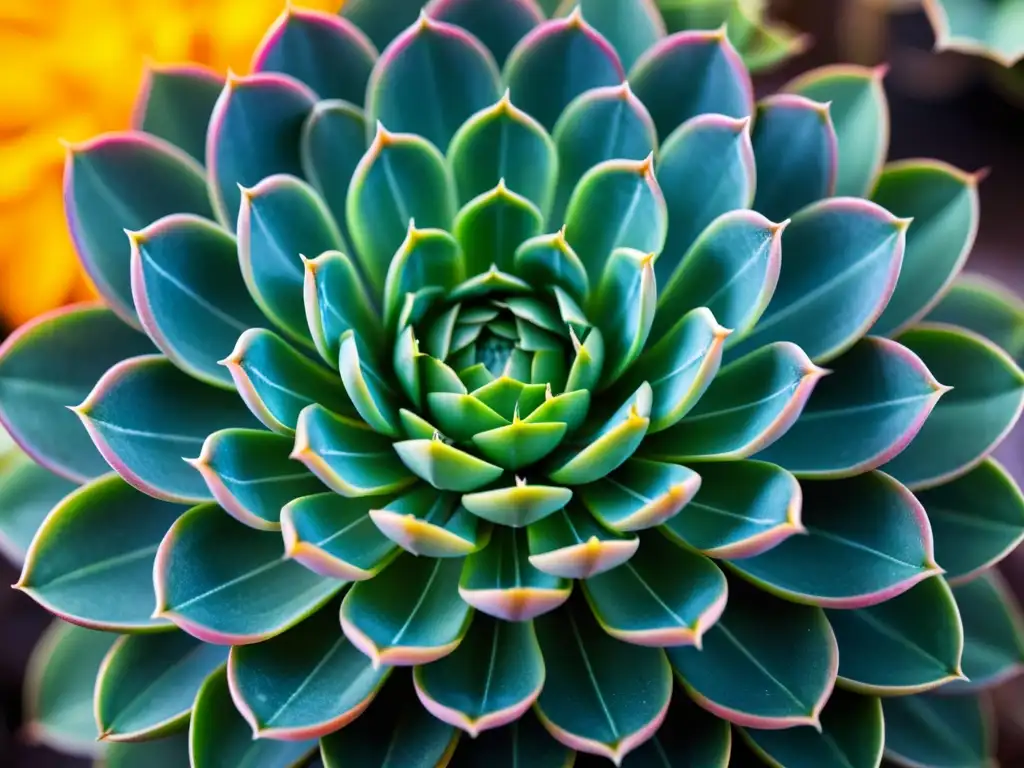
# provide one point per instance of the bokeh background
(72, 68)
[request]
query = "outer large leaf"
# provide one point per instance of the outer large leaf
(988, 29)
(27, 494)
(523, 742)
(938, 731)
(984, 306)
(690, 737)
(233, 595)
(92, 559)
(175, 103)
(601, 695)
(632, 26)
(993, 633)
(499, 24)
(431, 524)
(640, 494)
(168, 752)
(43, 371)
(367, 388)
(381, 24)
(571, 544)
(626, 296)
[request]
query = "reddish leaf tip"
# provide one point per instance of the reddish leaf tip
(879, 72)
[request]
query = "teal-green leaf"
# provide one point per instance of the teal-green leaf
(147, 684)
(500, 581)
(521, 443)
(445, 467)
(121, 181)
(690, 737)
(571, 544)
(716, 80)
(747, 407)
(796, 153)
(993, 633)
(335, 536)
(503, 142)
(971, 537)
(27, 494)
(556, 62)
(305, 683)
(601, 695)
(489, 681)
(852, 735)
(255, 132)
(427, 258)
(842, 258)
(401, 178)
(175, 102)
(977, 29)
(982, 305)
(877, 396)
(519, 505)
(939, 731)
(492, 226)
(366, 387)
(522, 742)
(640, 494)
(92, 559)
(943, 202)
(301, 40)
(189, 293)
(867, 540)
(281, 220)
(906, 645)
(408, 614)
(430, 80)
(624, 305)
(600, 124)
(168, 752)
(631, 27)
(59, 683)
(336, 301)
(731, 270)
(569, 407)
(498, 24)
(860, 115)
(219, 736)
(643, 602)
(706, 169)
(617, 204)
(381, 24)
(233, 595)
(431, 524)
(146, 416)
(745, 673)
(971, 419)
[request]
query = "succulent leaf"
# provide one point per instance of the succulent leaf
(689, 736)
(168, 752)
(445, 467)
(524, 740)
(985, 29)
(175, 104)
(336, 301)
(427, 258)
(366, 386)
(571, 544)
(380, 23)
(940, 731)
(27, 494)
(491, 226)
(631, 27)
(499, 24)
(993, 633)
(430, 524)
(519, 505)
(627, 285)
(987, 308)
(640, 494)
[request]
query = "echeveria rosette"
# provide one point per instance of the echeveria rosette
(570, 405)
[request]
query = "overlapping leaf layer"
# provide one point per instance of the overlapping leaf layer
(481, 388)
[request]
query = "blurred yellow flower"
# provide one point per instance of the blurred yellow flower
(71, 70)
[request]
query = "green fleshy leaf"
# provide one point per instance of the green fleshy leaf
(943, 202)
(601, 695)
(409, 614)
(92, 559)
(401, 178)
(521, 443)
(522, 742)
(627, 297)
(617, 204)
(335, 536)
(144, 415)
(749, 405)
(431, 524)
(304, 683)
(878, 396)
(743, 508)
(731, 270)
(993, 633)
(489, 681)
(689, 738)
(175, 104)
(473, 377)
(939, 731)
(796, 152)
(745, 673)
(644, 603)
(437, 339)
(571, 544)
(380, 24)
(631, 27)
(219, 735)
(492, 225)
(517, 505)
(555, 63)
(121, 181)
(550, 260)
(640, 494)
(503, 143)
(445, 467)
(769, 44)
(348, 456)
(336, 301)
(860, 114)
(251, 475)
(255, 132)
(189, 293)
(499, 24)
(852, 736)
(406, 361)
(147, 684)
(600, 124)
(842, 259)
(281, 220)
(395, 732)
(986, 307)
(438, 377)
(549, 368)
(59, 684)
(977, 28)
(300, 41)
(169, 752)
(706, 169)
(366, 387)
(461, 417)
(500, 581)
(416, 427)
(27, 494)
(972, 418)
(716, 81)
(237, 595)
(868, 538)
(909, 644)
(569, 408)
(427, 258)
(972, 537)
(430, 80)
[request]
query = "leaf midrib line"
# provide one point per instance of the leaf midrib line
(214, 310)
(419, 603)
(111, 562)
(593, 679)
(266, 567)
(758, 665)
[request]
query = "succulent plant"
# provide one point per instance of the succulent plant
(990, 28)
(468, 402)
